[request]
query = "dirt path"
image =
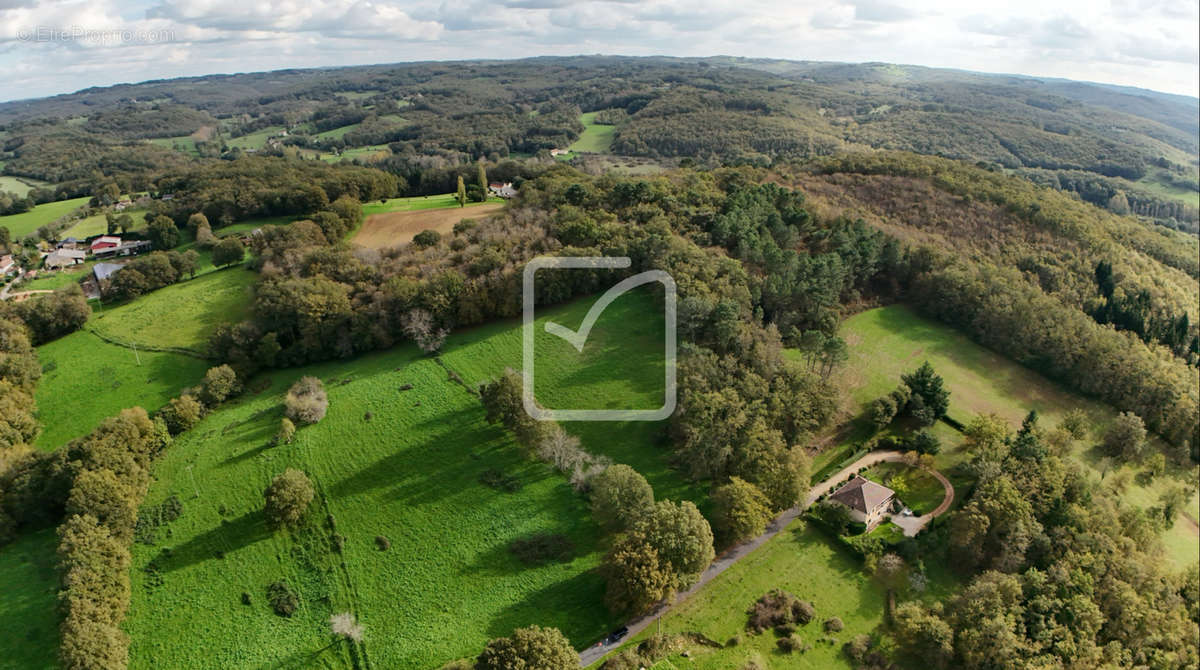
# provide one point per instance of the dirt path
(21, 295)
(597, 651)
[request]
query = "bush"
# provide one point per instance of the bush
(856, 649)
(219, 384)
(803, 612)
(306, 401)
(282, 598)
(181, 414)
(500, 481)
(535, 648)
(287, 430)
(791, 644)
(427, 238)
(382, 543)
(834, 625)
(776, 609)
(288, 497)
(542, 548)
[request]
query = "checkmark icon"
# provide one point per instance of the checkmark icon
(578, 338)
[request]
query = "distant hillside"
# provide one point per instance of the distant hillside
(1137, 143)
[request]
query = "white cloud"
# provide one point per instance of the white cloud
(1150, 43)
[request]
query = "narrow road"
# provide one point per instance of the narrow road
(597, 651)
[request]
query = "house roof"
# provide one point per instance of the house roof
(862, 494)
(105, 239)
(105, 270)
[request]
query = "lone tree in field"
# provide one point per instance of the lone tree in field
(306, 401)
(163, 232)
(741, 510)
(532, 648)
(229, 251)
(620, 495)
(287, 498)
(219, 383)
(934, 399)
(461, 193)
(1126, 437)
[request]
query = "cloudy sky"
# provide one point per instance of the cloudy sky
(57, 46)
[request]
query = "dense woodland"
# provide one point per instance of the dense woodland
(712, 111)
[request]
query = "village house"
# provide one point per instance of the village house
(502, 189)
(104, 242)
(63, 258)
(124, 249)
(868, 501)
(7, 265)
(69, 243)
(559, 152)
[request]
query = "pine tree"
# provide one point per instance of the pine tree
(461, 195)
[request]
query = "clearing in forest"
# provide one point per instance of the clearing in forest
(392, 229)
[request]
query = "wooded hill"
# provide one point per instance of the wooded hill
(1104, 139)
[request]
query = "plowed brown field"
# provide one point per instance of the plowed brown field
(381, 231)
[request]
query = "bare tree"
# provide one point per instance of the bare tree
(418, 324)
(346, 625)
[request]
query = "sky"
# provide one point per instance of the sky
(59, 46)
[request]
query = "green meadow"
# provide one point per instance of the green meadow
(392, 461)
(19, 185)
(184, 143)
(86, 379)
(887, 342)
(800, 560)
(180, 316)
(414, 203)
(255, 140)
(596, 138)
(20, 225)
(28, 593)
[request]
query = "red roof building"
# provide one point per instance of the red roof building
(105, 242)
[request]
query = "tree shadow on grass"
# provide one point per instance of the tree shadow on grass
(226, 537)
(574, 605)
(329, 656)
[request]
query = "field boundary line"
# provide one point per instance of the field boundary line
(149, 347)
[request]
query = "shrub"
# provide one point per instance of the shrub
(181, 414)
(542, 548)
(245, 598)
(791, 644)
(382, 543)
(282, 598)
(427, 238)
(803, 612)
(288, 497)
(500, 481)
(785, 629)
(834, 625)
(219, 384)
(856, 649)
(776, 608)
(287, 430)
(535, 648)
(306, 401)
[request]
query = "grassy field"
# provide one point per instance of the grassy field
(182, 315)
(887, 342)
(402, 464)
(20, 225)
(184, 143)
(28, 602)
(336, 133)
(443, 201)
(255, 140)
(21, 186)
(96, 224)
(87, 379)
(596, 138)
(368, 154)
(801, 561)
(1157, 182)
(58, 279)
